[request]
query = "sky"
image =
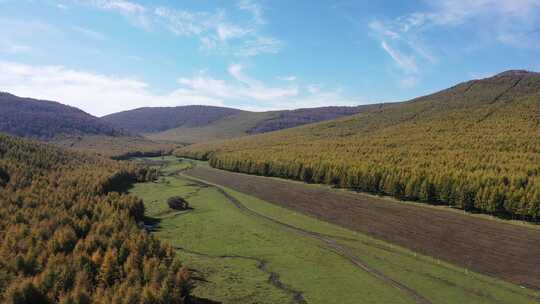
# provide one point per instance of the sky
(105, 56)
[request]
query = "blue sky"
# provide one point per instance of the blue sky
(105, 56)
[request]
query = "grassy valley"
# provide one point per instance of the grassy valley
(269, 152)
(247, 250)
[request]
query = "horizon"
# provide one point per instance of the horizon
(291, 109)
(252, 55)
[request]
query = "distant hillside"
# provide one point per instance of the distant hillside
(474, 146)
(228, 127)
(152, 120)
(117, 147)
(45, 120)
(247, 123)
(294, 118)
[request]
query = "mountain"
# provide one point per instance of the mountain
(41, 119)
(152, 120)
(475, 146)
(247, 123)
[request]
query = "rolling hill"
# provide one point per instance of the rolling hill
(44, 120)
(152, 120)
(475, 146)
(247, 123)
(71, 128)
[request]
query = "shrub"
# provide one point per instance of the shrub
(177, 203)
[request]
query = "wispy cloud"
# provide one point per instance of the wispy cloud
(406, 63)
(213, 29)
(259, 44)
(254, 9)
(406, 39)
(103, 94)
(118, 5)
(252, 94)
(137, 14)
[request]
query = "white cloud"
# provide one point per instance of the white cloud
(511, 22)
(245, 88)
(258, 45)
(103, 94)
(406, 63)
(406, 39)
(118, 5)
(379, 28)
(137, 14)
(456, 12)
(287, 78)
(254, 8)
(237, 71)
(252, 94)
(214, 30)
(227, 31)
(183, 23)
(94, 93)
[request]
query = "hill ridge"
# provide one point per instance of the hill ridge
(474, 147)
(46, 119)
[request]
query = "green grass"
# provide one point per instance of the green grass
(215, 227)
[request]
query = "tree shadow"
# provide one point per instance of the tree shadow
(152, 224)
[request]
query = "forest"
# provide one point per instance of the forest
(475, 146)
(44, 120)
(69, 235)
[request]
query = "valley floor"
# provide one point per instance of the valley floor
(247, 250)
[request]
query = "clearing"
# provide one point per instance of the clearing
(247, 250)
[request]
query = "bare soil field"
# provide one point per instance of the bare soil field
(510, 252)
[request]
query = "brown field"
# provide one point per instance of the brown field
(507, 251)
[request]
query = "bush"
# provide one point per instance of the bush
(177, 203)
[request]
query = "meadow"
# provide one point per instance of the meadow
(246, 250)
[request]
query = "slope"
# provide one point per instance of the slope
(67, 237)
(152, 120)
(475, 146)
(45, 120)
(249, 123)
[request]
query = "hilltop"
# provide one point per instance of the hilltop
(153, 120)
(42, 119)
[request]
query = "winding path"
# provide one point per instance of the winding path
(330, 242)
